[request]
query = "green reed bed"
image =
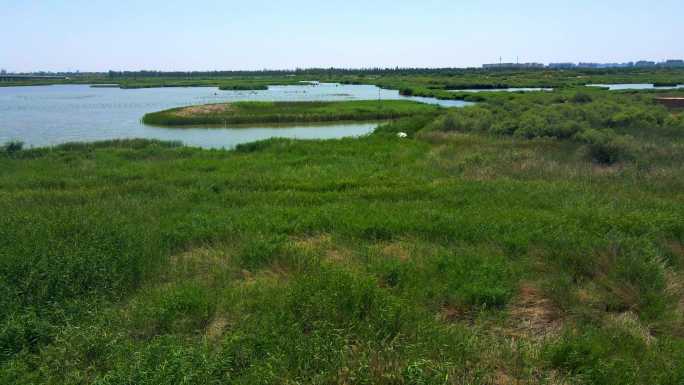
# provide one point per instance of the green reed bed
(287, 112)
(534, 238)
(448, 256)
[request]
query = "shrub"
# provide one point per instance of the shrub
(568, 129)
(581, 98)
(12, 146)
(606, 147)
(468, 119)
(532, 125)
(505, 126)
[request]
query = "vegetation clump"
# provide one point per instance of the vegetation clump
(606, 147)
(287, 112)
(610, 125)
(12, 147)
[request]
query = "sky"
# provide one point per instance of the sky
(93, 35)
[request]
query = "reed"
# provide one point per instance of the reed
(287, 112)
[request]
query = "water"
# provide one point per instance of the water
(50, 115)
(635, 86)
(505, 90)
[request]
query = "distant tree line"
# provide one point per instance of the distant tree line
(375, 71)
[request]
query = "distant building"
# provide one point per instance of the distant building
(498, 65)
(531, 65)
(512, 65)
(589, 65)
(3, 72)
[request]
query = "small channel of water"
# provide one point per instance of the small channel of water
(634, 86)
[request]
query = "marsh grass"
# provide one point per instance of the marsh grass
(458, 255)
(287, 112)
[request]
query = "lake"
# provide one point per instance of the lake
(49, 115)
(635, 86)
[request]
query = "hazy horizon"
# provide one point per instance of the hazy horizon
(212, 35)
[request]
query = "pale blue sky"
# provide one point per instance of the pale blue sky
(205, 35)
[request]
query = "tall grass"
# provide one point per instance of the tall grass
(468, 252)
(607, 124)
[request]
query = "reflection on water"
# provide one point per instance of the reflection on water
(49, 115)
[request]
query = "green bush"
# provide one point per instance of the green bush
(606, 147)
(581, 98)
(12, 146)
(470, 119)
(532, 125)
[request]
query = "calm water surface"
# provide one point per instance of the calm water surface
(50, 115)
(636, 86)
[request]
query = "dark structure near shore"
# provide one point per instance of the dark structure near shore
(671, 102)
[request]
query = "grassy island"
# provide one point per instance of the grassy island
(287, 112)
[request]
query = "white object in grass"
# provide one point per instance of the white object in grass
(402, 135)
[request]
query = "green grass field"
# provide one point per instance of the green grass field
(287, 112)
(531, 239)
(453, 256)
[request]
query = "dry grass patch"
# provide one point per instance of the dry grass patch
(607, 170)
(450, 313)
(676, 248)
(533, 315)
(202, 261)
(396, 250)
(314, 243)
(630, 323)
(273, 275)
(322, 244)
(438, 137)
(207, 109)
(675, 288)
(216, 328)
